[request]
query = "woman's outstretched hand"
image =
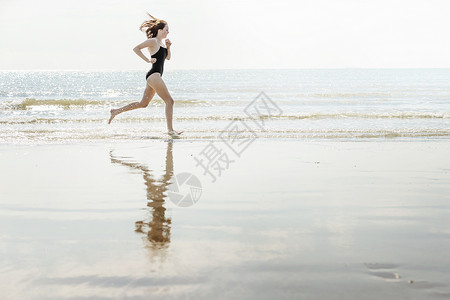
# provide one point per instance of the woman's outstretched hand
(168, 43)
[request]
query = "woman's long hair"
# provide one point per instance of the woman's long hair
(152, 26)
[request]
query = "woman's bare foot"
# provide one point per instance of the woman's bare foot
(175, 133)
(113, 114)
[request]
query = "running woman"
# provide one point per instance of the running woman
(159, 48)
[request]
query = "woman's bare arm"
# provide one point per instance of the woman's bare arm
(168, 44)
(145, 44)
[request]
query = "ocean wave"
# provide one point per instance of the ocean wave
(214, 116)
(29, 103)
(365, 115)
(349, 95)
(25, 104)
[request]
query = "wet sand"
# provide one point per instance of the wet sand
(284, 220)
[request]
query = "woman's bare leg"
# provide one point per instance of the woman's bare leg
(146, 98)
(156, 82)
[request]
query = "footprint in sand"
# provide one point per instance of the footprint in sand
(387, 272)
(384, 271)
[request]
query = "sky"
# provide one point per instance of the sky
(232, 34)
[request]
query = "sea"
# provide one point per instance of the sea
(51, 106)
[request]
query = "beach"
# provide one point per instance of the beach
(294, 184)
(285, 219)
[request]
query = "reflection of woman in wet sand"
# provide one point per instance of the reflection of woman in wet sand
(157, 228)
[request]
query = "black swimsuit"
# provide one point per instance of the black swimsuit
(158, 66)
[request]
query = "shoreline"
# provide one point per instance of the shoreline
(184, 139)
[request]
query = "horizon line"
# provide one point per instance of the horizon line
(228, 69)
